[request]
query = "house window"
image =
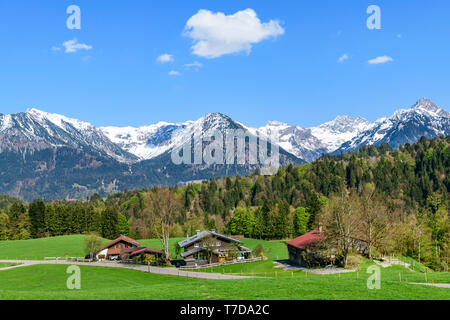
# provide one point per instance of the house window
(196, 245)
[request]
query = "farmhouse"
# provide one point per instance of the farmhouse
(308, 243)
(296, 247)
(124, 246)
(208, 247)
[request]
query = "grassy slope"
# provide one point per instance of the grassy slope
(49, 282)
(38, 249)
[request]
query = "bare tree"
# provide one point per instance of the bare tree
(163, 207)
(341, 222)
(375, 219)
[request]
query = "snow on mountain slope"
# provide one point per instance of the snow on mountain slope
(310, 143)
(342, 129)
(144, 142)
(295, 140)
(37, 130)
(404, 126)
(148, 142)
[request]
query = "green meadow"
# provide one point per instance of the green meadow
(48, 282)
(73, 246)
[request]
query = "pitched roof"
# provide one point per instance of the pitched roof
(307, 239)
(205, 234)
(191, 252)
(245, 249)
(121, 238)
(145, 250)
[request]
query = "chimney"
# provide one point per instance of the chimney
(198, 232)
(320, 227)
(213, 230)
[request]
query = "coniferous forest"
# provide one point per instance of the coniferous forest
(400, 196)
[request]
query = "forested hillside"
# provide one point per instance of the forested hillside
(410, 185)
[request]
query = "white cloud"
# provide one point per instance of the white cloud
(217, 34)
(174, 73)
(56, 48)
(195, 64)
(165, 58)
(73, 46)
(343, 58)
(380, 60)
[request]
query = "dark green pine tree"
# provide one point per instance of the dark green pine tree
(36, 212)
(110, 220)
(314, 207)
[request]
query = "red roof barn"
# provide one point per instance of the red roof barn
(306, 239)
(298, 245)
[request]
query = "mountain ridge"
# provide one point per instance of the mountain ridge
(52, 156)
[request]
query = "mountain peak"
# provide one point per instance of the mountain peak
(215, 115)
(430, 107)
(216, 121)
(276, 124)
(346, 124)
(36, 112)
(426, 104)
(58, 120)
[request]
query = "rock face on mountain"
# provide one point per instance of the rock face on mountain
(50, 156)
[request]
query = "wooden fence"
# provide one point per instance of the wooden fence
(221, 264)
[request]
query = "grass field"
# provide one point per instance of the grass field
(73, 246)
(47, 282)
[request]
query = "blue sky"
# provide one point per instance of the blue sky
(292, 76)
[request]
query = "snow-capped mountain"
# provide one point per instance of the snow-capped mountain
(148, 142)
(404, 126)
(310, 143)
(342, 134)
(36, 130)
(342, 129)
(50, 156)
(144, 142)
(294, 139)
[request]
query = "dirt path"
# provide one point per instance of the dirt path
(440, 285)
(11, 267)
(156, 270)
(387, 262)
